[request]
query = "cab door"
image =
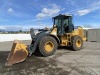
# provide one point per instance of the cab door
(70, 25)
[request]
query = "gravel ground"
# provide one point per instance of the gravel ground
(63, 62)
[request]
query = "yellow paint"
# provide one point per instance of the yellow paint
(66, 38)
(54, 31)
(20, 46)
(49, 46)
(79, 32)
(78, 43)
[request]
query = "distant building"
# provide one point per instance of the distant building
(93, 35)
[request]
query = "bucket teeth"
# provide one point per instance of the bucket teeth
(18, 53)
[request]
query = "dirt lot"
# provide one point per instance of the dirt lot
(63, 62)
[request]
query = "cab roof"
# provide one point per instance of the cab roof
(62, 16)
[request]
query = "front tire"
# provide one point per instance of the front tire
(47, 46)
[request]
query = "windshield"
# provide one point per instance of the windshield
(57, 22)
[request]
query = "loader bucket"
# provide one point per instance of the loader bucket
(18, 53)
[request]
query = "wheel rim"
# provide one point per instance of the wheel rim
(49, 46)
(78, 43)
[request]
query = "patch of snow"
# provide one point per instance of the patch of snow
(12, 37)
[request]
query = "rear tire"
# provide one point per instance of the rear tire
(47, 46)
(77, 43)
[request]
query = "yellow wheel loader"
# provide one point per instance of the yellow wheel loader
(63, 33)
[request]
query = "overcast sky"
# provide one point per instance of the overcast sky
(38, 13)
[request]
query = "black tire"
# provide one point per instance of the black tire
(74, 45)
(42, 43)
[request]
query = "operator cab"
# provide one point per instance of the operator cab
(63, 24)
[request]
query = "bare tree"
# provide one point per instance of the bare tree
(88, 26)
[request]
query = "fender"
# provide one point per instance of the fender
(57, 39)
(37, 39)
